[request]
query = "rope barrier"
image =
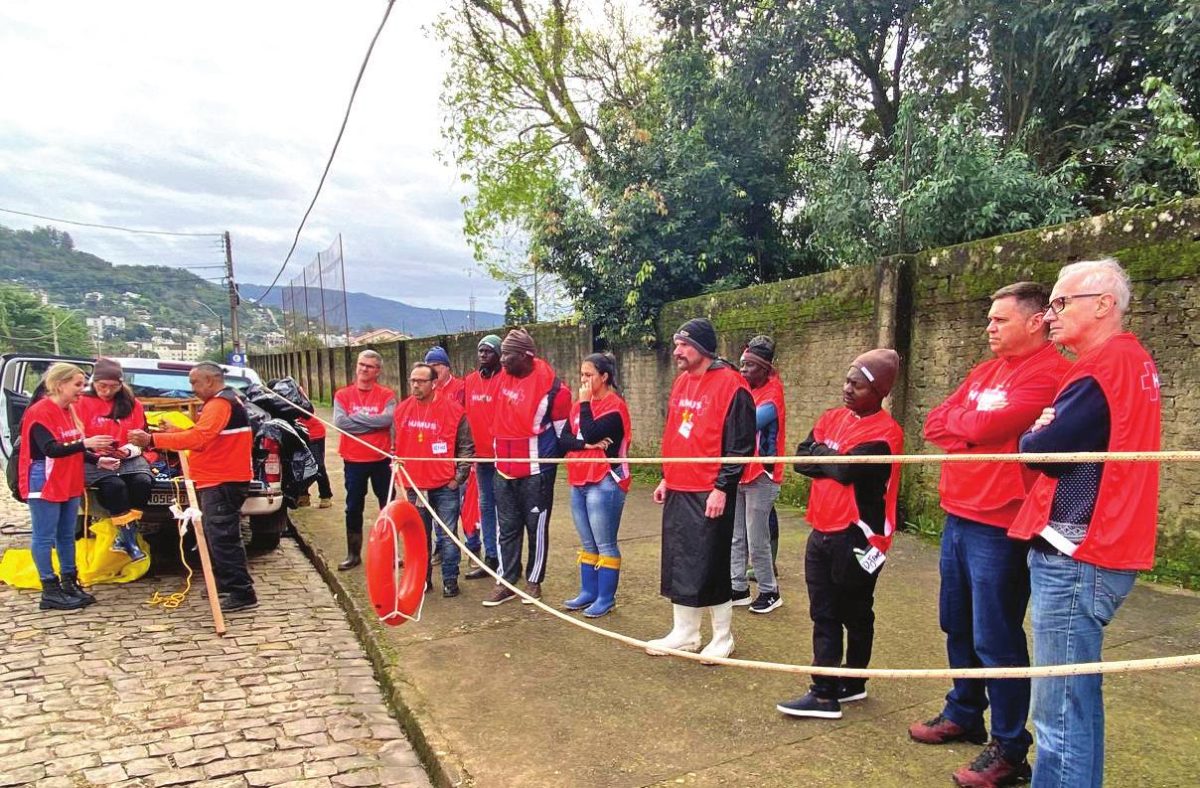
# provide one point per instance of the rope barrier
(1040, 671)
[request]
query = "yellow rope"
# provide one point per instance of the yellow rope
(172, 601)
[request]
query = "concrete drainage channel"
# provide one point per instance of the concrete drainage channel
(435, 757)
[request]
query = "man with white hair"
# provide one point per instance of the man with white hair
(364, 409)
(1092, 525)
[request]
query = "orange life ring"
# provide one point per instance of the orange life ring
(396, 590)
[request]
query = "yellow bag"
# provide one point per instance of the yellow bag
(95, 560)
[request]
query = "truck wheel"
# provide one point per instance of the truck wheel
(266, 530)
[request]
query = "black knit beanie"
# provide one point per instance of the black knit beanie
(700, 334)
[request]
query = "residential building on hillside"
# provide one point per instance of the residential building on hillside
(375, 336)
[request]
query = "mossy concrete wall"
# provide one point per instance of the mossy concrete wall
(931, 307)
(1160, 248)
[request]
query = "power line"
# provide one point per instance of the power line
(108, 226)
(332, 153)
(131, 283)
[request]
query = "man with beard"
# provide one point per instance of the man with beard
(710, 413)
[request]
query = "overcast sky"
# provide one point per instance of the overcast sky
(219, 116)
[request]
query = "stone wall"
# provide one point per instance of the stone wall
(931, 307)
(949, 300)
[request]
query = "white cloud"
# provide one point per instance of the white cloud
(220, 116)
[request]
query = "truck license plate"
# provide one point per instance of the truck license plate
(162, 498)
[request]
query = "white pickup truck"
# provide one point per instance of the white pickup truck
(159, 385)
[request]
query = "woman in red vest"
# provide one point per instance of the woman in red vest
(51, 481)
(599, 427)
(120, 475)
(852, 509)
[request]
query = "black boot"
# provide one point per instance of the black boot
(353, 550)
(70, 586)
(479, 572)
(54, 598)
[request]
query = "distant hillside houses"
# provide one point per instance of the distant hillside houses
(373, 337)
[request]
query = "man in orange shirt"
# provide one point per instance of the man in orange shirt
(220, 444)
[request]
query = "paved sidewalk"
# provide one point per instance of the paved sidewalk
(510, 696)
(122, 694)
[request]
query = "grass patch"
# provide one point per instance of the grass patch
(927, 529)
(1177, 562)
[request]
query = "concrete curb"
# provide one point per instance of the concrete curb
(435, 754)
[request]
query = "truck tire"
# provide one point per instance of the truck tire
(266, 530)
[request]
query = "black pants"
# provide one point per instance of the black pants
(841, 598)
(119, 494)
(523, 506)
(696, 550)
(358, 475)
(222, 509)
(317, 448)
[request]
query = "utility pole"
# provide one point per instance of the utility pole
(233, 295)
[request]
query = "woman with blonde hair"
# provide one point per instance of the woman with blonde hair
(51, 480)
(120, 474)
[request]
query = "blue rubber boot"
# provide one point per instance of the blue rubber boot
(608, 572)
(587, 582)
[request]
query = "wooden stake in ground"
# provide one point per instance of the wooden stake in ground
(210, 583)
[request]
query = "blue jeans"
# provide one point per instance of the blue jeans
(485, 476)
(1072, 603)
(596, 510)
(357, 476)
(53, 527)
(445, 502)
(984, 592)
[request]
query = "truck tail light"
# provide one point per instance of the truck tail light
(271, 468)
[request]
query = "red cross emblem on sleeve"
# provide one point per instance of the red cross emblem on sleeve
(1150, 381)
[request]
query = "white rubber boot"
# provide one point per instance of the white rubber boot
(684, 636)
(722, 624)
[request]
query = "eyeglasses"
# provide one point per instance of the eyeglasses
(369, 366)
(1057, 305)
(420, 380)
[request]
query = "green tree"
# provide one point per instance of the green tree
(26, 325)
(946, 184)
(518, 308)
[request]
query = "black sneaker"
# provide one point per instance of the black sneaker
(811, 706)
(450, 589)
(766, 602)
(231, 603)
(850, 691)
(741, 598)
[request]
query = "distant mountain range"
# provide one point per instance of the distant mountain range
(368, 310)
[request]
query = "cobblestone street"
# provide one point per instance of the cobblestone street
(124, 694)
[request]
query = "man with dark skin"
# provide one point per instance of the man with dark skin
(532, 407)
(220, 445)
(479, 390)
(759, 486)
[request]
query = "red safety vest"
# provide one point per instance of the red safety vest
(451, 389)
(64, 475)
(372, 402)
(94, 413)
(581, 473)
(525, 410)
(772, 392)
(992, 492)
(831, 504)
(695, 425)
(316, 429)
(1124, 522)
(428, 429)
(480, 398)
